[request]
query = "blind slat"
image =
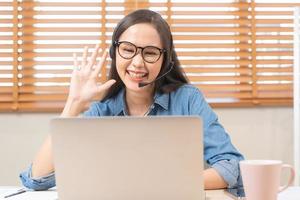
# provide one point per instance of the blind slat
(220, 78)
(224, 87)
(216, 70)
(31, 89)
(212, 21)
(42, 97)
(216, 62)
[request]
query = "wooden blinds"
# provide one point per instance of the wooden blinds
(237, 53)
(8, 56)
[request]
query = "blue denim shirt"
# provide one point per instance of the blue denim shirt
(219, 152)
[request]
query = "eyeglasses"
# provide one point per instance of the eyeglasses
(127, 50)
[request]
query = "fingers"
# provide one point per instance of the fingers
(75, 61)
(93, 58)
(88, 64)
(105, 86)
(84, 56)
(100, 64)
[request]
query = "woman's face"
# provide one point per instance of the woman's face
(136, 70)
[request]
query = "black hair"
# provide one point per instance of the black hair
(172, 80)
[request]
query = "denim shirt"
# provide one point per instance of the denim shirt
(219, 153)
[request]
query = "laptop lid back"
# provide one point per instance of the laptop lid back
(128, 158)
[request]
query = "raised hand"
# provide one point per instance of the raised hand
(84, 86)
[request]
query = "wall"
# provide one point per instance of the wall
(260, 133)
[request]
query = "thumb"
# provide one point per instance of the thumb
(105, 86)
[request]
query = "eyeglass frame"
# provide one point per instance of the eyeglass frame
(118, 43)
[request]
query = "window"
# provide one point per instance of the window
(239, 53)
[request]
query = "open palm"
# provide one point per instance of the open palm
(84, 86)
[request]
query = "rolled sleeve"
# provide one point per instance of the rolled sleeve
(230, 172)
(42, 183)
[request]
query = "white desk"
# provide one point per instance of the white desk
(292, 193)
(30, 195)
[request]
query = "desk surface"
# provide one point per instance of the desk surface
(292, 193)
(52, 194)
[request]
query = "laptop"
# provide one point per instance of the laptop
(128, 158)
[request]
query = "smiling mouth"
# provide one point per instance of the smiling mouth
(138, 75)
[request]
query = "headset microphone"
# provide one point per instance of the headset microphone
(145, 83)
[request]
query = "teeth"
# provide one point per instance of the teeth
(135, 75)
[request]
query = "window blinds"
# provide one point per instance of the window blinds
(237, 53)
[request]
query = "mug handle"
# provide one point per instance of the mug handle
(291, 179)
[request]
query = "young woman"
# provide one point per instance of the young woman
(142, 52)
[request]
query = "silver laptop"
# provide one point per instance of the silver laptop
(128, 158)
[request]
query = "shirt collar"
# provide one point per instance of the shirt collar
(161, 99)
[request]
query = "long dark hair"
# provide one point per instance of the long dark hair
(175, 78)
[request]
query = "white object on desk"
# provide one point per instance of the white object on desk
(6, 190)
(292, 193)
(29, 195)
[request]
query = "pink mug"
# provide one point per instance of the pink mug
(261, 178)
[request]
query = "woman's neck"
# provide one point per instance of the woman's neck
(138, 103)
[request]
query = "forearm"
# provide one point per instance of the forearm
(213, 180)
(43, 162)
(43, 165)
